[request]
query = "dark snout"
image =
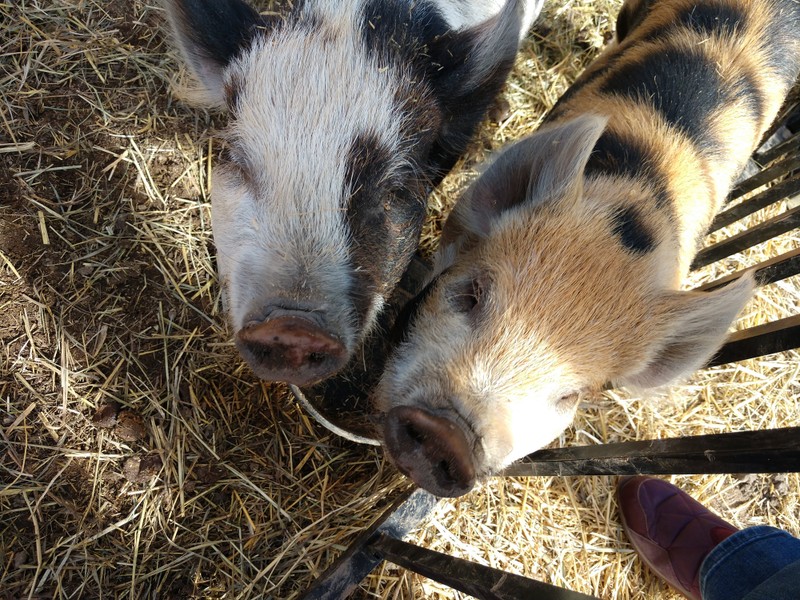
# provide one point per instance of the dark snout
(291, 346)
(432, 450)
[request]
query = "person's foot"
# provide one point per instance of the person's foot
(671, 531)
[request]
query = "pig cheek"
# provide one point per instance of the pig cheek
(233, 223)
(533, 427)
(495, 438)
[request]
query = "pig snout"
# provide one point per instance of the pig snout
(292, 346)
(432, 450)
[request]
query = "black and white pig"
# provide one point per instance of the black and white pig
(559, 269)
(343, 116)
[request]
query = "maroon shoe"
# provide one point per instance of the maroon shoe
(671, 531)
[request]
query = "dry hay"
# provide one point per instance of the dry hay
(108, 295)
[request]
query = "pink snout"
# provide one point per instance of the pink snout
(431, 450)
(290, 348)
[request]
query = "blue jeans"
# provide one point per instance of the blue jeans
(758, 563)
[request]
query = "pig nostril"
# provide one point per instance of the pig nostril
(414, 434)
(444, 467)
(260, 352)
(316, 358)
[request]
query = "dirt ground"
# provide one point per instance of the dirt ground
(140, 458)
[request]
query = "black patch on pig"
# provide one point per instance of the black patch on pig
(585, 79)
(780, 35)
(384, 217)
(619, 157)
(686, 89)
(402, 35)
(397, 32)
(367, 163)
(463, 107)
(220, 29)
(462, 115)
(630, 16)
(416, 35)
(708, 19)
(628, 226)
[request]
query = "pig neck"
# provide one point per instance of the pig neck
(668, 188)
(676, 183)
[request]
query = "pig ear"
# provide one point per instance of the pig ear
(210, 34)
(468, 68)
(630, 15)
(697, 327)
(545, 166)
(468, 59)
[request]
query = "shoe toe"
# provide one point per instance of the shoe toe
(671, 531)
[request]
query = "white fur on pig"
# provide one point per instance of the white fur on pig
(303, 93)
(302, 233)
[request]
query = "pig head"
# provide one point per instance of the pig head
(535, 301)
(560, 268)
(343, 116)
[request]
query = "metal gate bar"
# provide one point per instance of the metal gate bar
(343, 576)
(787, 117)
(765, 451)
(776, 193)
(763, 177)
(762, 232)
(791, 144)
(772, 270)
(776, 336)
(471, 578)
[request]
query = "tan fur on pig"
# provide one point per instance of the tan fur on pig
(536, 295)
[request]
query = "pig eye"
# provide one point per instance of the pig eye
(567, 402)
(466, 296)
(236, 165)
(233, 157)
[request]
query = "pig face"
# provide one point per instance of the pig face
(342, 118)
(535, 300)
